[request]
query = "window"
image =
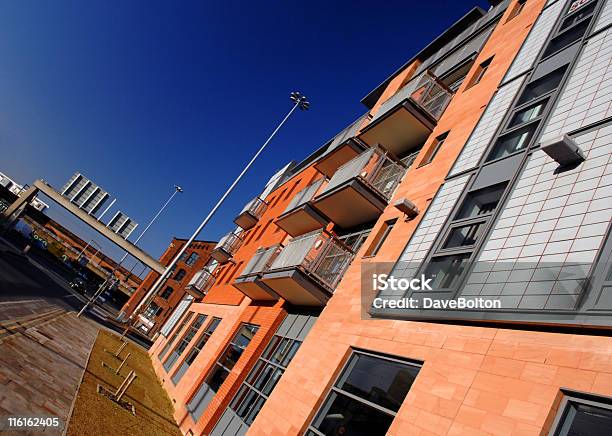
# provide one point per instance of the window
(481, 202)
(267, 371)
(192, 259)
(167, 292)
(583, 414)
(206, 334)
(180, 275)
(528, 114)
(512, 142)
(184, 342)
(480, 72)
(433, 150)
(380, 237)
(366, 397)
(542, 86)
(446, 271)
(175, 335)
(572, 28)
(152, 311)
(221, 370)
(230, 356)
(463, 236)
(517, 9)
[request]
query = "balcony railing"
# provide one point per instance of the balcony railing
(261, 260)
(304, 196)
(251, 213)
(319, 255)
(249, 283)
(299, 216)
(428, 92)
(200, 283)
(227, 247)
(375, 167)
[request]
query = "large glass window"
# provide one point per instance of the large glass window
(572, 29)
(481, 202)
(167, 292)
(206, 334)
(185, 341)
(583, 415)
(542, 86)
(512, 142)
(366, 397)
(446, 271)
(192, 259)
(230, 356)
(180, 275)
(175, 335)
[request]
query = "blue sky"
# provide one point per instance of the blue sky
(140, 95)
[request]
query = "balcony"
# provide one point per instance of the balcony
(200, 283)
(344, 147)
(249, 283)
(300, 217)
(307, 271)
(226, 248)
(361, 189)
(405, 120)
(252, 212)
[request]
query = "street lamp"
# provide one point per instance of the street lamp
(299, 101)
(177, 189)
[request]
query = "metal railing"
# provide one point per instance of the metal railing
(202, 281)
(261, 260)
(427, 91)
(348, 132)
(304, 196)
(255, 207)
(318, 254)
(374, 167)
(230, 243)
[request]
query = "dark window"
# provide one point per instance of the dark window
(527, 114)
(180, 275)
(481, 202)
(517, 9)
(434, 148)
(480, 72)
(463, 236)
(582, 415)
(381, 237)
(185, 341)
(230, 356)
(542, 86)
(204, 337)
(512, 142)
(446, 270)
(177, 330)
(366, 397)
(152, 310)
(572, 29)
(167, 292)
(192, 259)
(579, 15)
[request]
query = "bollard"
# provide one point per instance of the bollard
(123, 345)
(124, 386)
(122, 363)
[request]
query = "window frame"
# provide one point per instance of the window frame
(339, 391)
(516, 10)
(434, 149)
(575, 397)
(480, 72)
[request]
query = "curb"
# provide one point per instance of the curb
(76, 394)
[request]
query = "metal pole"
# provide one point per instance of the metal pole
(83, 250)
(93, 299)
(300, 101)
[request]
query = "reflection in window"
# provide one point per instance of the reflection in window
(366, 396)
(446, 270)
(512, 142)
(481, 202)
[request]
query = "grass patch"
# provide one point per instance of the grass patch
(95, 414)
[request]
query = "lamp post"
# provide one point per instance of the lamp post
(299, 101)
(177, 189)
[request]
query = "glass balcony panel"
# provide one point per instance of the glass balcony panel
(227, 247)
(251, 213)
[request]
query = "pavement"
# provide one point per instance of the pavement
(43, 345)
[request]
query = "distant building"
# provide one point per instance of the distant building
(172, 293)
(17, 189)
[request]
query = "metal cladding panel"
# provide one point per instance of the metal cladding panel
(127, 228)
(117, 222)
(181, 308)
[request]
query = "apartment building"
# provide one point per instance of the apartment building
(483, 163)
(159, 309)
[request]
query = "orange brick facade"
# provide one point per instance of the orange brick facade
(475, 379)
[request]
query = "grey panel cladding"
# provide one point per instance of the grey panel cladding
(541, 250)
(468, 50)
(428, 228)
(535, 40)
(587, 96)
(605, 17)
(181, 308)
(485, 129)
(230, 424)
